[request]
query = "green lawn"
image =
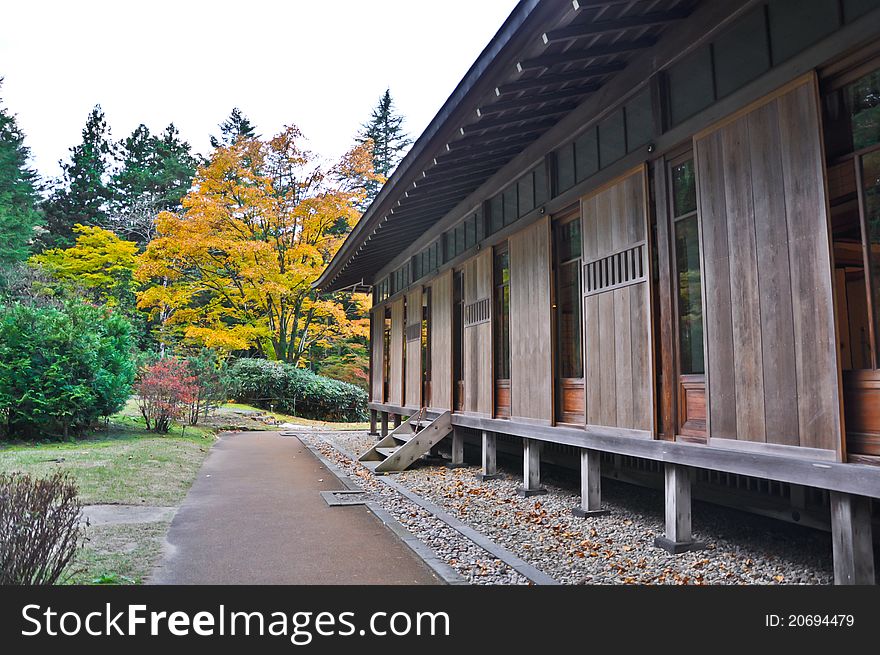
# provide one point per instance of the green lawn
(120, 464)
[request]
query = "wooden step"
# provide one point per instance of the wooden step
(387, 452)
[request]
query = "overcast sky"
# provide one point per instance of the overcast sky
(319, 64)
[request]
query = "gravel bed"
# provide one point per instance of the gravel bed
(615, 549)
(472, 562)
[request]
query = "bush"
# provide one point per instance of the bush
(61, 368)
(209, 374)
(165, 391)
(40, 528)
(295, 391)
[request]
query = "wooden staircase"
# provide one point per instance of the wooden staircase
(407, 442)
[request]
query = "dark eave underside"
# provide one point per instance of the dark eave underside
(559, 53)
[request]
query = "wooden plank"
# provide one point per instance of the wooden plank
(395, 386)
(606, 357)
(477, 346)
(774, 278)
(441, 341)
(818, 373)
(623, 357)
(642, 364)
(709, 159)
(413, 365)
(667, 294)
(744, 292)
(531, 373)
(592, 365)
(589, 228)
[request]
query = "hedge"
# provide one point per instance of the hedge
(295, 391)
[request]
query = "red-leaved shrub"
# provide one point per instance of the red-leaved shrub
(165, 391)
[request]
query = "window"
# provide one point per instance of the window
(496, 214)
(871, 193)
(586, 155)
(502, 314)
(565, 168)
(639, 121)
(691, 87)
(426, 346)
(511, 212)
(386, 355)
(612, 139)
(687, 266)
(797, 24)
(742, 53)
(458, 340)
(568, 299)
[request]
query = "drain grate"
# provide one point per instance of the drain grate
(344, 497)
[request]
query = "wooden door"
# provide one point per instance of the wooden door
(618, 340)
(569, 330)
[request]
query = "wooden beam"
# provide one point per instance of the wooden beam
(605, 26)
(851, 539)
(373, 419)
(678, 537)
(384, 425)
(457, 449)
(591, 485)
(582, 75)
(572, 56)
(539, 99)
(546, 118)
(490, 457)
(531, 469)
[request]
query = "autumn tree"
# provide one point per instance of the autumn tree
(18, 193)
(258, 227)
(237, 125)
(82, 195)
(387, 141)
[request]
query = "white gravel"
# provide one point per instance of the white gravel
(613, 549)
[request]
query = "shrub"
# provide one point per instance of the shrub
(61, 368)
(295, 391)
(165, 391)
(210, 377)
(40, 528)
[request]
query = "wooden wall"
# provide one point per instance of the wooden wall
(531, 357)
(772, 369)
(413, 386)
(395, 385)
(619, 370)
(377, 342)
(477, 346)
(441, 341)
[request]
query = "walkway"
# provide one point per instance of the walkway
(255, 516)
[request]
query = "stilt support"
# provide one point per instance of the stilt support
(851, 539)
(457, 449)
(591, 485)
(490, 458)
(374, 418)
(531, 469)
(678, 538)
(384, 423)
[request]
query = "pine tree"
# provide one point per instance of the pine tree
(389, 142)
(153, 174)
(82, 195)
(237, 125)
(18, 195)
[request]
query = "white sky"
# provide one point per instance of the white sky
(319, 64)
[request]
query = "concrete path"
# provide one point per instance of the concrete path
(255, 516)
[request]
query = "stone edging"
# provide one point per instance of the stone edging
(520, 566)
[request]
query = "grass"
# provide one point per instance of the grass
(296, 420)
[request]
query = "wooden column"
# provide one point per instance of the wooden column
(678, 538)
(591, 485)
(383, 432)
(397, 420)
(851, 539)
(457, 448)
(373, 420)
(490, 460)
(531, 469)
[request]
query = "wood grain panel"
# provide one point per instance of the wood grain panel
(744, 292)
(395, 384)
(477, 346)
(377, 343)
(413, 386)
(768, 285)
(441, 341)
(618, 350)
(862, 405)
(531, 359)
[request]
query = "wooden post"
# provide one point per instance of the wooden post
(678, 538)
(851, 539)
(591, 485)
(531, 469)
(373, 420)
(490, 459)
(457, 449)
(383, 432)
(396, 420)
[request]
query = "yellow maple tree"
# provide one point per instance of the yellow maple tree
(234, 270)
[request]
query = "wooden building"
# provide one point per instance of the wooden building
(648, 228)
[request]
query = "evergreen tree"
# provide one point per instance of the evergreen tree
(237, 125)
(82, 195)
(389, 142)
(18, 216)
(153, 174)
